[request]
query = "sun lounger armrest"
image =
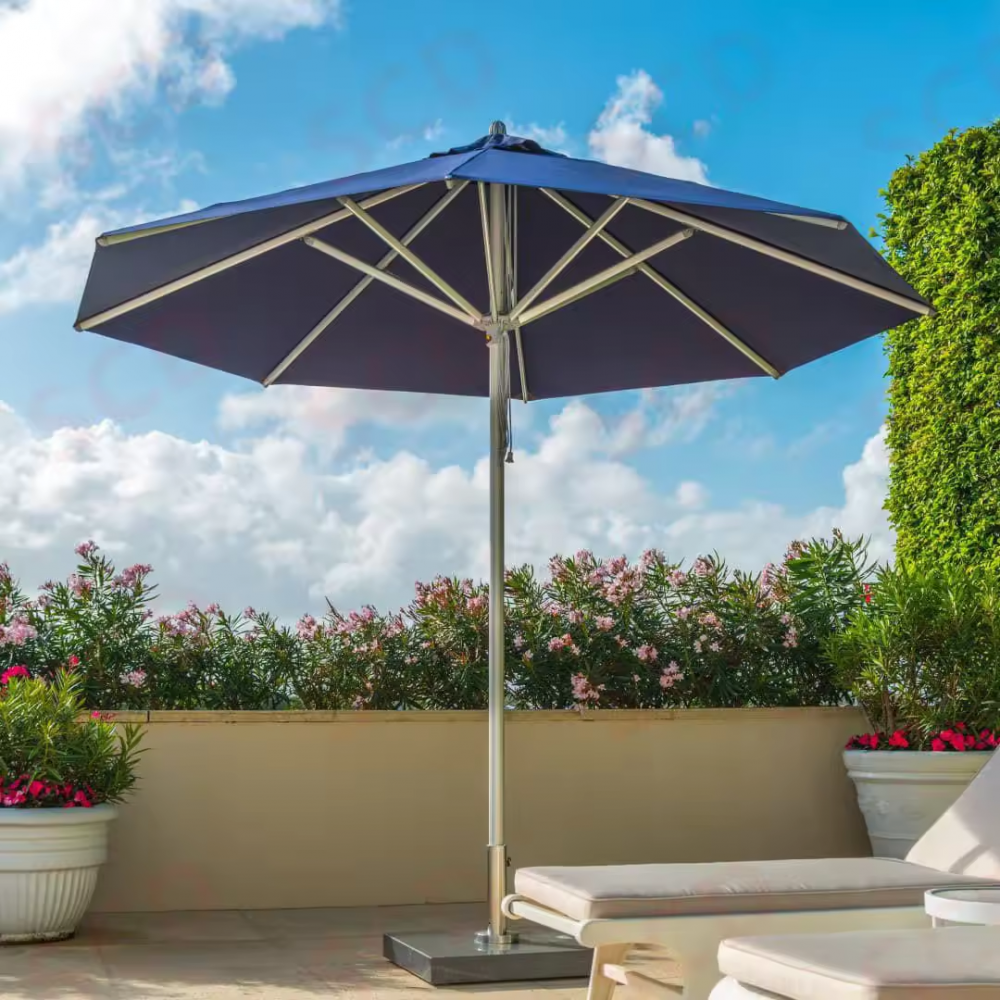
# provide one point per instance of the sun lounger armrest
(521, 908)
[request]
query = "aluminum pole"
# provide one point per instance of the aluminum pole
(499, 354)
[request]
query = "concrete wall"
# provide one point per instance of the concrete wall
(261, 810)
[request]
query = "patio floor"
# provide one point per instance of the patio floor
(279, 954)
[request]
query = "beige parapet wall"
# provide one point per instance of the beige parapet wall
(301, 809)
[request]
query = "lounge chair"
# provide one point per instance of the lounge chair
(689, 909)
(950, 962)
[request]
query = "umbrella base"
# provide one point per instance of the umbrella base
(446, 958)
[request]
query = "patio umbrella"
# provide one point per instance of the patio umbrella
(496, 269)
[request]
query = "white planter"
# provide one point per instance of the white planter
(48, 869)
(902, 794)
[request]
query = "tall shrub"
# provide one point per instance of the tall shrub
(942, 233)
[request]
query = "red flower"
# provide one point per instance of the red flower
(938, 744)
(35, 789)
(73, 661)
(958, 741)
(868, 593)
(17, 671)
(898, 739)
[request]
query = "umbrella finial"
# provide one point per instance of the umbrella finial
(498, 128)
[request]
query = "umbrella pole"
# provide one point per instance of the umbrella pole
(499, 355)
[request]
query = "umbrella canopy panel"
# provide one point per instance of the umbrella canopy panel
(275, 289)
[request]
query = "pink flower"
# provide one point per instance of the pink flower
(621, 641)
(249, 612)
(670, 675)
(555, 644)
(16, 671)
(528, 656)
(769, 577)
(519, 641)
(647, 653)
(715, 647)
(711, 620)
(308, 627)
(791, 639)
(650, 558)
(786, 619)
(212, 609)
(134, 575)
(575, 616)
(476, 603)
(677, 577)
(134, 678)
(584, 558)
(604, 623)
(86, 549)
(795, 551)
(78, 585)
(584, 691)
(617, 565)
(684, 613)
(557, 568)
(702, 567)
(17, 633)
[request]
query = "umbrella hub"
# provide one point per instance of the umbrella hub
(498, 128)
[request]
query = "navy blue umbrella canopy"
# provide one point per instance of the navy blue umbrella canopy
(671, 282)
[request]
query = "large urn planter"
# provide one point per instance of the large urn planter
(49, 860)
(902, 794)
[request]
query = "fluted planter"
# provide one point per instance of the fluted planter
(902, 793)
(49, 859)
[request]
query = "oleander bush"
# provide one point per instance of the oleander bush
(589, 633)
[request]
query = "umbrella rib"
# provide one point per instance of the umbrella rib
(602, 279)
(410, 257)
(237, 258)
(593, 230)
(669, 287)
(393, 282)
(342, 305)
(813, 220)
(786, 256)
(484, 216)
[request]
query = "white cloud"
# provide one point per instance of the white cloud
(54, 270)
(323, 416)
(65, 66)
(691, 495)
(268, 523)
(665, 415)
(622, 136)
(553, 137)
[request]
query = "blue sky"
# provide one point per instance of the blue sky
(813, 104)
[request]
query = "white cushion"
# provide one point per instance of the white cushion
(587, 893)
(948, 963)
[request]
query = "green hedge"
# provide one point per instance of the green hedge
(942, 233)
